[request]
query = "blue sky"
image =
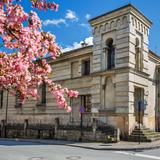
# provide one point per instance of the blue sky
(70, 23)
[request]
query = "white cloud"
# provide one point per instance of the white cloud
(88, 16)
(54, 22)
(86, 26)
(83, 24)
(89, 41)
(76, 45)
(71, 15)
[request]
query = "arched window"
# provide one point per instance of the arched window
(138, 56)
(110, 53)
(132, 21)
(136, 23)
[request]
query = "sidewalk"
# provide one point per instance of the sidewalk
(121, 146)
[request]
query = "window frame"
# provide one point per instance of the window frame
(42, 99)
(85, 104)
(138, 56)
(110, 54)
(1, 98)
(86, 71)
(18, 104)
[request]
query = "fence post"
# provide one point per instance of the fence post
(94, 127)
(56, 126)
(3, 128)
(25, 127)
(117, 135)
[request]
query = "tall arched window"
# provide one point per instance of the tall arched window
(110, 53)
(138, 56)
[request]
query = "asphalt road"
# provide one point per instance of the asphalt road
(14, 150)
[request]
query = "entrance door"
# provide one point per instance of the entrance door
(139, 97)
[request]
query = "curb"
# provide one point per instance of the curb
(116, 149)
(78, 146)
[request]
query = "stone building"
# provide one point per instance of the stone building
(113, 76)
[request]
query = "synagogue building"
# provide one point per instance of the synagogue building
(118, 79)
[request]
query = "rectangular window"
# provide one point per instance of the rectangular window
(1, 99)
(18, 103)
(42, 94)
(86, 67)
(43, 97)
(86, 102)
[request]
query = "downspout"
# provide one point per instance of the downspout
(157, 97)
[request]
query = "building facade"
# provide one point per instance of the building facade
(113, 77)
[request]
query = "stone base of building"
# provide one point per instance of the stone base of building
(47, 131)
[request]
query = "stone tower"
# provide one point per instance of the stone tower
(120, 65)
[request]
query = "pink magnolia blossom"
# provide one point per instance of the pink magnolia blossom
(69, 109)
(72, 93)
(43, 5)
(26, 69)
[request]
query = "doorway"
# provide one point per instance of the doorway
(139, 97)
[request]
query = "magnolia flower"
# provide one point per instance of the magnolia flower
(25, 70)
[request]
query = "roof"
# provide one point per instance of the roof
(68, 54)
(128, 5)
(77, 49)
(154, 54)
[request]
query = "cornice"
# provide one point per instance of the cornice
(72, 54)
(118, 12)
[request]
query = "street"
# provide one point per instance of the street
(16, 150)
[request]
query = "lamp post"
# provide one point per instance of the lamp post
(94, 112)
(81, 126)
(6, 116)
(139, 116)
(81, 110)
(141, 107)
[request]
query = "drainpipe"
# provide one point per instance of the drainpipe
(157, 95)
